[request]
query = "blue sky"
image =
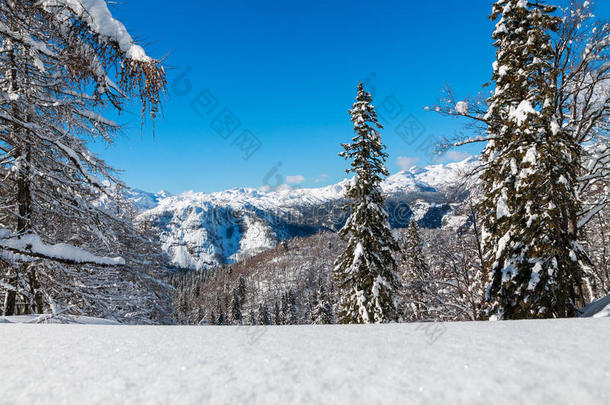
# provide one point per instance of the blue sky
(282, 75)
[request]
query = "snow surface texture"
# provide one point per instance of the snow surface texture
(522, 362)
(200, 230)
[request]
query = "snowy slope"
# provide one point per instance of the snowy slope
(201, 230)
(140, 200)
(604, 313)
(598, 308)
(524, 362)
(430, 178)
(143, 200)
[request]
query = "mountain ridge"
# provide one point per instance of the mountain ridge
(204, 230)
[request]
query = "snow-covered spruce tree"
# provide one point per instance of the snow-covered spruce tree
(289, 314)
(529, 205)
(278, 319)
(365, 274)
(293, 316)
(236, 309)
(221, 318)
(579, 75)
(242, 290)
(263, 315)
(55, 66)
(285, 317)
(322, 311)
(416, 274)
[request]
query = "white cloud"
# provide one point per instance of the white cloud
(456, 156)
(283, 188)
(297, 179)
(406, 162)
(321, 178)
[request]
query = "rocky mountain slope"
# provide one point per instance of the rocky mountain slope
(200, 231)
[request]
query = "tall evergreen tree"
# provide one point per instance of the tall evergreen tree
(221, 318)
(365, 273)
(263, 315)
(416, 272)
(291, 299)
(242, 290)
(285, 310)
(236, 314)
(530, 204)
(413, 250)
(277, 314)
(322, 311)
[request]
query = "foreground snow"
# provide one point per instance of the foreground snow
(560, 361)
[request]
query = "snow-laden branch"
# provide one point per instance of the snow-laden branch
(106, 42)
(588, 215)
(95, 14)
(475, 139)
(31, 245)
(97, 118)
(27, 40)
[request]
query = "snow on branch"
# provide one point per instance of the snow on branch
(96, 118)
(472, 108)
(31, 245)
(475, 139)
(589, 214)
(139, 74)
(96, 15)
(458, 141)
(26, 40)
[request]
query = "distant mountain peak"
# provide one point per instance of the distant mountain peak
(202, 230)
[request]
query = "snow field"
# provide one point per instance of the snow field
(528, 362)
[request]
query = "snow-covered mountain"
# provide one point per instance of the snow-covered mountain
(139, 200)
(200, 230)
(143, 200)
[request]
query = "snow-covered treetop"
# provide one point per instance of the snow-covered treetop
(366, 149)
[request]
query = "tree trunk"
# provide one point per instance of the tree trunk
(24, 201)
(10, 299)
